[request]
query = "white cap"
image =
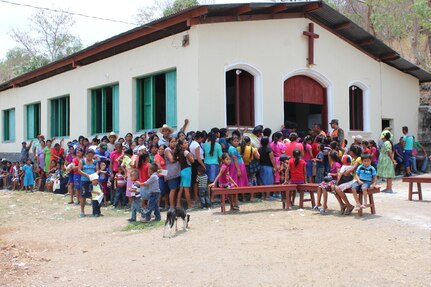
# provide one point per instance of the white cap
(94, 176)
(358, 138)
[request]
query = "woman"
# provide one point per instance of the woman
(237, 167)
(250, 156)
(86, 167)
(212, 155)
(185, 158)
(47, 155)
(173, 168)
(69, 159)
(267, 164)
(386, 163)
(128, 139)
(76, 175)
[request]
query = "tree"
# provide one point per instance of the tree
(48, 39)
(165, 8)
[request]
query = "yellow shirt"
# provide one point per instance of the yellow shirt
(248, 154)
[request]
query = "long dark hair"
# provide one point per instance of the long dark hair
(304, 142)
(177, 150)
(297, 155)
(264, 142)
(243, 144)
(388, 138)
(212, 139)
(142, 158)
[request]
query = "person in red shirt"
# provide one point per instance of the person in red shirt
(293, 144)
(57, 152)
(296, 171)
(365, 148)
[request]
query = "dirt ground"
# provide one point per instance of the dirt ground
(44, 242)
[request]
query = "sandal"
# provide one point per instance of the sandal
(322, 211)
(342, 210)
(316, 208)
(349, 211)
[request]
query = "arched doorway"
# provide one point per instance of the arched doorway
(239, 98)
(305, 102)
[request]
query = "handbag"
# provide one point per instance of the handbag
(254, 165)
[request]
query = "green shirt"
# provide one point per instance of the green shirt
(408, 139)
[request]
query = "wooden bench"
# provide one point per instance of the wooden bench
(312, 188)
(419, 179)
(285, 189)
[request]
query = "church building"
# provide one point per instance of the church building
(230, 65)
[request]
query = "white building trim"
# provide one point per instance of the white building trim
(258, 89)
(365, 103)
(321, 79)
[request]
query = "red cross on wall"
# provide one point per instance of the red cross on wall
(311, 36)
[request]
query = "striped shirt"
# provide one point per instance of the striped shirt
(202, 181)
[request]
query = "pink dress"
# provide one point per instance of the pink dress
(223, 180)
(278, 148)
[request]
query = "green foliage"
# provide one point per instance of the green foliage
(179, 5)
(140, 226)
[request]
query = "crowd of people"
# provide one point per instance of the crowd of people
(160, 168)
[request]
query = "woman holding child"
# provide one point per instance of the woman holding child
(86, 167)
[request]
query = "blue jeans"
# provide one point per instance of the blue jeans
(137, 207)
(120, 195)
(96, 207)
(204, 197)
(413, 161)
(153, 204)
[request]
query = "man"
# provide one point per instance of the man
(417, 147)
(398, 155)
(337, 132)
(25, 151)
(57, 152)
(318, 130)
(112, 138)
(102, 154)
(408, 147)
(166, 132)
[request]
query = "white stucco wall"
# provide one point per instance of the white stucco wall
(277, 50)
(272, 50)
(162, 55)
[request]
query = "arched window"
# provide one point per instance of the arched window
(356, 108)
(239, 98)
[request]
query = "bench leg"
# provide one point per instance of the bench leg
(410, 191)
(222, 203)
(419, 186)
(301, 199)
(360, 211)
(313, 203)
(372, 206)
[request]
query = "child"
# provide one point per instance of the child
(202, 180)
(154, 191)
(296, 171)
(329, 184)
(345, 181)
(126, 164)
(308, 155)
(96, 192)
(366, 177)
(225, 180)
(103, 181)
(320, 166)
(28, 176)
(284, 169)
(120, 188)
(136, 196)
(15, 171)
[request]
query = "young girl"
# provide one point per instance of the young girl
(345, 181)
(126, 164)
(297, 171)
(374, 153)
(250, 156)
(320, 166)
(225, 180)
(28, 176)
(39, 178)
(103, 181)
(143, 166)
(278, 148)
(326, 186)
(16, 172)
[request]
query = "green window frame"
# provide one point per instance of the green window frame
(105, 109)
(9, 125)
(156, 100)
(33, 120)
(60, 112)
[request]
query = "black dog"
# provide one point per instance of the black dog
(171, 219)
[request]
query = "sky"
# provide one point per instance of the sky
(88, 30)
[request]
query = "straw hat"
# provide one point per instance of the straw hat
(112, 134)
(166, 127)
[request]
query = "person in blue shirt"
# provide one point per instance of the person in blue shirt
(366, 177)
(398, 155)
(408, 147)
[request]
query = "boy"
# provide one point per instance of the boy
(96, 193)
(320, 165)
(202, 181)
(366, 177)
(135, 195)
(153, 187)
